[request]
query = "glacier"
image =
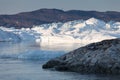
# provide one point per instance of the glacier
(78, 31)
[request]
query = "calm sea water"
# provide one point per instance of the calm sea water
(23, 61)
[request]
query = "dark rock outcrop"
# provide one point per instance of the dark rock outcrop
(44, 16)
(101, 57)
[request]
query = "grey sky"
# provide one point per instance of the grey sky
(16, 6)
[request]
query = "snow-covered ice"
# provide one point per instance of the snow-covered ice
(78, 31)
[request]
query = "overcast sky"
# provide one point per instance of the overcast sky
(16, 6)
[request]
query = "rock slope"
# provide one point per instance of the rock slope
(101, 57)
(44, 16)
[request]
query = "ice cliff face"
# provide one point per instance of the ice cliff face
(8, 36)
(78, 31)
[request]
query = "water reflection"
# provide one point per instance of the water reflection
(33, 50)
(60, 46)
(23, 61)
(32, 70)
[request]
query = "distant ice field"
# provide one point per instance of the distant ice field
(78, 31)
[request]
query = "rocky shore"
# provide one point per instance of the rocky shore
(100, 57)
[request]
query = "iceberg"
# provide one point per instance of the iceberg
(8, 36)
(78, 31)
